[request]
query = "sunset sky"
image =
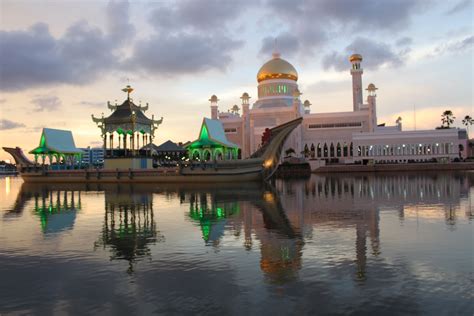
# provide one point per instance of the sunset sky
(61, 61)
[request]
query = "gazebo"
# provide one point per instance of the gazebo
(57, 144)
(212, 143)
(127, 129)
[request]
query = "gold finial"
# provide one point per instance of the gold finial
(128, 89)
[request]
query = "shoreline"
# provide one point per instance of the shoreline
(458, 166)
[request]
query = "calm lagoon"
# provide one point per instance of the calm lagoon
(335, 244)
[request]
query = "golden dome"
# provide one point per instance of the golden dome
(277, 68)
(355, 57)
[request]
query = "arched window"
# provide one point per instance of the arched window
(312, 151)
(207, 155)
(351, 149)
(345, 150)
(338, 150)
(218, 155)
(196, 155)
(325, 150)
(319, 151)
(331, 150)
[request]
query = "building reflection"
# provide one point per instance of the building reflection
(211, 215)
(257, 211)
(274, 220)
(129, 224)
(354, 202)
(56, 207)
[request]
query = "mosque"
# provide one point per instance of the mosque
(353, 136)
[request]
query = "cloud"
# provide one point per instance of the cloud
(3, 100)
(189, 37)
(455, 46)
(191, 15)
(404, 41)
(459, 7)
(287, 44)
(119, 28)
(7, 124)
(316, 22)
(92, 104)
(46, 103)
(375, 53)
(183, 53)
(34, 58)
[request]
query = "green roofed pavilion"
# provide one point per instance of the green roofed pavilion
(212, 143)
(59, 144)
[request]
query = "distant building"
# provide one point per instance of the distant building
(339, 137)
(93, 156)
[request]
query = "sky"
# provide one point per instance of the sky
(61, 61)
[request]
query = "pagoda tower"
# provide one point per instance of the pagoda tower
(125, 132)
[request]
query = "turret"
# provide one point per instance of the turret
(245, 103)
(297, 102)
(307, 107)
(371, 100)
(214, 110)
(356, 72)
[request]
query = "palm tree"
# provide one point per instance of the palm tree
(447, 118)
(468, 120)
(235, 109)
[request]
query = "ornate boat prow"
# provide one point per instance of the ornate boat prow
(270, 152)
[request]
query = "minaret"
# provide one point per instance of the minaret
(214, 110)
(245, 125)
(245, 103)
(371, 100)
(356, 72)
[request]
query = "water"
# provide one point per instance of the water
(384, 244)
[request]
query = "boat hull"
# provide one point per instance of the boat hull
(143, 176)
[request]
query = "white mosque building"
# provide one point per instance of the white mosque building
(339, 137)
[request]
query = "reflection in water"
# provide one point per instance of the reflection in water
(56, 208)
(233, 207)
(211, 218)
(129, 224)
(351, 240)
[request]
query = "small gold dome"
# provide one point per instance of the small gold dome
(277, 68)
(213, 98)
(355, 57)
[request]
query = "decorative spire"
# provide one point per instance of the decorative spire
(129, 90)
(276, 53)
